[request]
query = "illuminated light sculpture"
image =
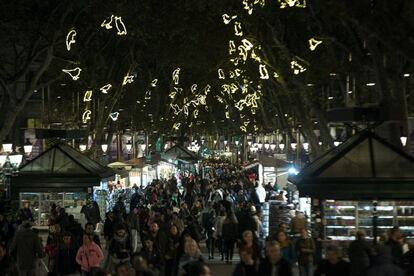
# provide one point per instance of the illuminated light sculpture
(227, 115)
(247, 44)
(128, 79)
(73, 73)
(264, 74)
(120, 26)
(88, 96)
(86, 116)
(176, 126)
(176, 108)
(221, 74)
(260, 2)
(275, 75)
(233, 88)
(154, 83)
(202, 99)
(232, 47)
(185, 110)
(255, 57)
(176, 76)
(227, 18)
(195, 113)
(296, 67)
(104, 89)
(193, 88)
(243, 128)
(114, 116)
(207, 89)
(248, 6)
(238, 72)
(231, 75)
(70, 39)
(172, 94)
(235, 61)
(107, 23)
(292, 3)
(220, 99)
(243, 52)
(238, 29)
(313, 43)
(147, 95)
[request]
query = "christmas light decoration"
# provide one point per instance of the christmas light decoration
(154, 83)
(147, 95)
(70, 39)
(114, 116)
(296, 67)
(175, 108)
(73, 73)
(292, 3)
(313, 43)
(227, 18)
(107, 23)
(264, 74)
(221, 74)
(193, 88)
(176, 126)
(104, 89)
(238, 29)
(247, 44)
(128, 79)
(232, 47)
(88, 96)
(185, 110)
(207, 89)
(195, 113)
(120, 26)
(243, 52)
(86, 116)
(176, 76)
(227, 115)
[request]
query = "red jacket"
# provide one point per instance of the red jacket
(89, 256)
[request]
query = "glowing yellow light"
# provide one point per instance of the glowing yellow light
(195, 113)
(207, 89)
(232, 47)
(233, 88)
(86, 116)
(220, 99)
(73, 73)
(264, 74)
(275, 75)
(238, 29)
(107, 23)
(114, 116)
(202, 99)
(176, 76)
(128, 79)
(231, 75)
(313, 43)
(247, 44)
(104, 89)
(227, 18)
(246, 123)
(70, 39)
(227, 115)
(238, 72)
(147, 95)
(154, 83)
(120, 26)
(243, 128)
(255, 128)
(243, 52)
(221, 74)
(176, 126)
(256, 57)
(172, 94)
(248, 6)
(185, 110)
(191, 124)
(296, 67)
(292, 3)
(175, 108)
(88, 96)
(193, 88)
(260, 2)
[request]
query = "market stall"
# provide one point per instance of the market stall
(365, 183)
(59, 175)
(186, 160)
(269, 169)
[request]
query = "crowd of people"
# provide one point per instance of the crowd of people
(164, 230)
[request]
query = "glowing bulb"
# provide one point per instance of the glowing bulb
(337, 143)
(114, 116)
(272, 147)
(293, 145)
(82, 147)
(193, 88)
(243, 128)
(296, 67)
(70, 39)
(88, 96)
(176, 126)
(104, 147)
(104, 89)
(73, 73)
(227, 115)
(403, 140)
(281, 146)
(313, 43)
(221, 74)
(243, 52)
(264, 74)
(232, 47)
(227, 18)
(147, 95)
(128, 79)
(306, 146)
(86, 116)
(247, 44)
(238, 29)
(120, 26)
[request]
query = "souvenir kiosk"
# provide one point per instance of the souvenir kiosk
(60, 175)
(364, 183)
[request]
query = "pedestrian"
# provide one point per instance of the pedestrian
(90, 229)
(286, 247)
(66, 256)
(230, 235)
(119, 249)
(7, 265)
(383, 265)
(89, 256)
(191, 254)
(305, 250)
(248, 266)
(274, 264)
(395, 245)
(333, 265)
(360, 253)
(171, 256)
(27, 248)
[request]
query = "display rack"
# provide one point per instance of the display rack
(344, 218)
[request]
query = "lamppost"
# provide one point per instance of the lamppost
(9, 164)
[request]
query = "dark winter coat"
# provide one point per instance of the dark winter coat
(66, 260)
(27, 248)
(283, 268)
(359, 253)
(245, 270)
(384, 264)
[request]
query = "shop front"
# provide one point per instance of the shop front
(59, 176)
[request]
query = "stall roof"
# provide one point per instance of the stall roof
(181, 153)
(60, 165)
(364, 167)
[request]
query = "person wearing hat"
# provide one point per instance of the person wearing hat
(27, 248)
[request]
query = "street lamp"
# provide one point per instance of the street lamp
(272, 147)
(266, 145)
(403, 140)
(28, 147)
(104, 147)
(249, 143)
(337, 143)
(306, 146)
(293, 145)
(128, 146)
(7, 147)
(281, 146)
(82, 147)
